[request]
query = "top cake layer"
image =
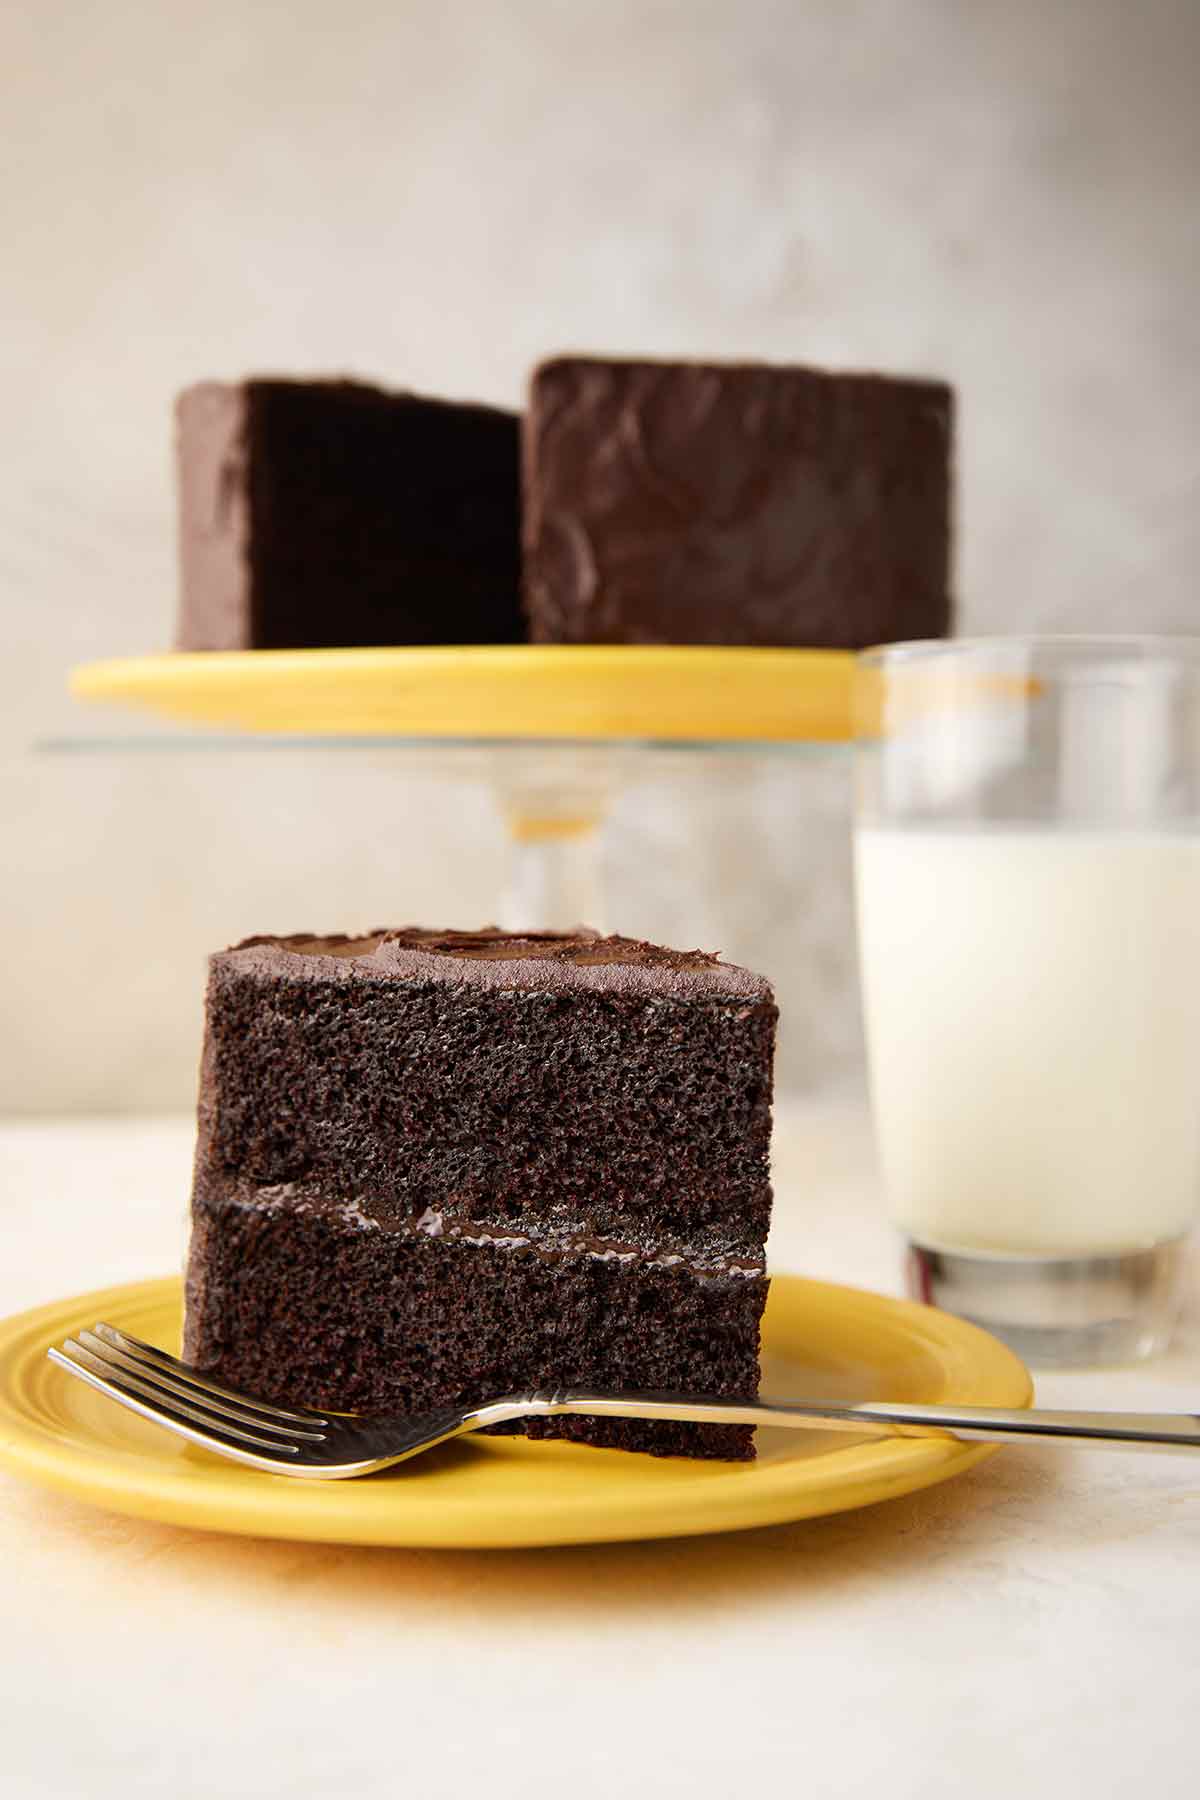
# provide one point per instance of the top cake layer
(594, 1084)
(735, 503)
(319, 513)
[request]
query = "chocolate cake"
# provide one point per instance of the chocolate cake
(709, 503)
(318, 513)
(437, 1167)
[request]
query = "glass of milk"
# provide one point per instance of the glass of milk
(1027, 848)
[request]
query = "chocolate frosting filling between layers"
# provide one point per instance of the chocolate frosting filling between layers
(704, 1255)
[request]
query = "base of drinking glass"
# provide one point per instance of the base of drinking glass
(1058, 1312)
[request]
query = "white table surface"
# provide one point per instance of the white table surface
(1031, 1628)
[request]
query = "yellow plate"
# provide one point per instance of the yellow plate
(656, 693)
(487, 1492)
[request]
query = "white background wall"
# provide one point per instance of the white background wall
(437, 194)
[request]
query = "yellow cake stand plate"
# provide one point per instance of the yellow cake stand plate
(654, 693)
(819, 1341)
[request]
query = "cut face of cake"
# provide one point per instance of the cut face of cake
(324, 513)
(693, 503)
(438, 1167)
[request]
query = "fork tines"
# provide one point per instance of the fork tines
(161, 1388)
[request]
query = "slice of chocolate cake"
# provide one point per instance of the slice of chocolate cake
(325, 513)
(438, 1166)
(708, 503)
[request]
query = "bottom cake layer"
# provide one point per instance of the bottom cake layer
(296, 1298)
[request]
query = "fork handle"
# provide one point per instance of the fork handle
(978, 1424)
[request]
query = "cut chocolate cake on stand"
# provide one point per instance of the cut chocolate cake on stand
(438, 1167)
(735, 503)
(318, 513)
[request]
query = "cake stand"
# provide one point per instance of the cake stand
(556, 731)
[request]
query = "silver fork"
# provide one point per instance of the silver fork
(322, 1446)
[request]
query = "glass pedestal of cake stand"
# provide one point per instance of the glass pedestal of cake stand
(554, 800)
(556, 732)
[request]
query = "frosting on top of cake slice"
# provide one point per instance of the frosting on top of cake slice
(581, 958)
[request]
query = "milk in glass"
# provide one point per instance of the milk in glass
(1032, 1004)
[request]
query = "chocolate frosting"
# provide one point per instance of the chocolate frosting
(546, 960)
(214, 518)
(710, 503)
(704, 1254)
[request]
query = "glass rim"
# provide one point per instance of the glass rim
(1184, 648)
